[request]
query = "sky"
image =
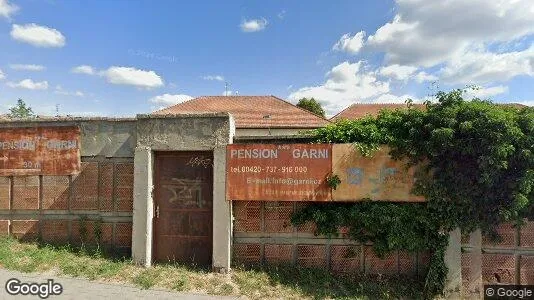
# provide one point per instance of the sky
(124, 57)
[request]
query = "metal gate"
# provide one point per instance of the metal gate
(183, 207)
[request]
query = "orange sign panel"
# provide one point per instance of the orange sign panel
(40, 151)
(290, 172)
(377, 177)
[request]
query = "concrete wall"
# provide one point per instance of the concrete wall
(114, 187)
(54, 208)
(197, 132)
(105, 137)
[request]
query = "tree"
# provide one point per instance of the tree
(21, 111)
(311, 105)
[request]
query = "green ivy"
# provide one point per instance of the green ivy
(477, 162)
(333, 181)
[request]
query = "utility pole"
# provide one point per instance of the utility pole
(57, 110)
(226, 88)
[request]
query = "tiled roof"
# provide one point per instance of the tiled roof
(360, 110)
(251, 111)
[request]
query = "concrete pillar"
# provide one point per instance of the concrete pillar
(475, 286)
(222, 214)
(142, 207)
(453, 261)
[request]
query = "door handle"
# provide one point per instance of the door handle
(157, 211)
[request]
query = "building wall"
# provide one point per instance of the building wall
(98, 199)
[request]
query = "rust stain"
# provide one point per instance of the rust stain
(286, 172)
(40, 151)
(377, 177)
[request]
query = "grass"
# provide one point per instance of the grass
(260, 283)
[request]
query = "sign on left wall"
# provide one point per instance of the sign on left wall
(40, 151)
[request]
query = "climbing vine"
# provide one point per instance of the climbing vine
(477, 170)
(333, 181)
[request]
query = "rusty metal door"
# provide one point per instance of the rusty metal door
(183, 207)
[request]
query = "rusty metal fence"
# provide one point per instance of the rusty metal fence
(263, 235)
(94, 206)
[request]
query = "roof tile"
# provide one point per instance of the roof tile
(251, 111)
(360, 110)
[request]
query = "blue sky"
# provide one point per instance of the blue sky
(120, 58)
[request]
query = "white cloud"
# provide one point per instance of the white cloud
(7, 9)
(390, 98)
(253, 25)
(427, 33)
(350, 44)
(397, 71)
(345, 84)
(482, 66)
(132, 76)
(281, 15)
(486, 92)
(423, 76)
(2, 75)
(83, 69)
(59, 90)
(168, 99)
(27, 67)
(37, 35)
(29, 84)
(124, 76)
(213, 77)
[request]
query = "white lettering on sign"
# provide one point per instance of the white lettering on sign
(285, 181)
(18, 145)
(310, 153)
(254, 153)
(61, 145)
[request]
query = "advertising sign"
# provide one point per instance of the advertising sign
(270, 172)
(377, 177)
(39, 151)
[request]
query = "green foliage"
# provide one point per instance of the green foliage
(333, 181)
(97, 230)
(83, 230)
(21, 111)
(477, 162)
(385, 224)
(311, 105)
(390, 227)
